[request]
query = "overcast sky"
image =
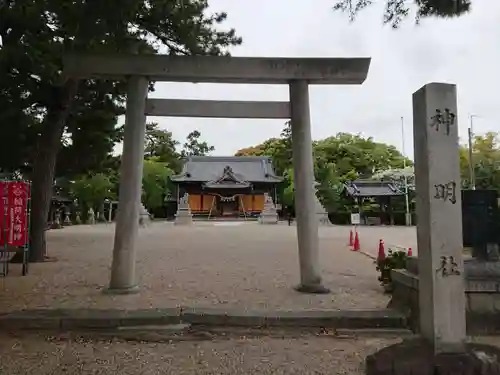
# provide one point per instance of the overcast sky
(464, 51)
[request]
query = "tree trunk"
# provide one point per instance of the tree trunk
(44, 166)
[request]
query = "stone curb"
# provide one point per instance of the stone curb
(111, 319)
(372, 257)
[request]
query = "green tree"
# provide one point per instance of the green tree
(337, 159)
(18, 134)
(155, 183)
(92, 190)
(35, 35)
(353, 156)
(399, 176)
(486, 161)
(485, 158)
(287, 193)
(160, 144)
(194, 146)
(280, 149)
(330, 188)
(397, 10)
(91, 131)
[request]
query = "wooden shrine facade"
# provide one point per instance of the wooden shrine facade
(231, 186)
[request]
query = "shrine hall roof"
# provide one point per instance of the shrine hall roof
(215, 169)
(368, 188)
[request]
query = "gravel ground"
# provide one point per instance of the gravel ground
(40, 354)
(207, 265)
(37, 355)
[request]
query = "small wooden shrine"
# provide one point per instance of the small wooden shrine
(380, 192)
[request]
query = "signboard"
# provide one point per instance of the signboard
(14, 210)
(355, 219)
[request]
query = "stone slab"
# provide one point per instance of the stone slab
(483, 286)
(91, 319)
(152, 317)
(319, 318)
(87, 318)
(218, 69)
(482, 308)
(114, 319)
(474, 269)
(217, 109)
(32, 320)
(222, 317)
(471, 285)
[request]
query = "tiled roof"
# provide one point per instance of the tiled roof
(211, 169)
(362, 188)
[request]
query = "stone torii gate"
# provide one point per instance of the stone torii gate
(298, 73)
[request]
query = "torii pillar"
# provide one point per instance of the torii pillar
(123, 279)
(303, 170)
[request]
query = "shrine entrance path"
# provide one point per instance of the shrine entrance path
(223, 265)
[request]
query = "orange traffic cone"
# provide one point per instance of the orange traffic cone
(410, 252)
(351, 238)
(356, 245)
(381, 250)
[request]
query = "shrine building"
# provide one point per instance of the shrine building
(227, 186)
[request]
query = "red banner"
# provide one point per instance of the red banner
(14, 207)
(4, 192)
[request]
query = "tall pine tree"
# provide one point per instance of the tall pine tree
(37, 33)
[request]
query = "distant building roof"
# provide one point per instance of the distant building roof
(227, 171)
(368, 188)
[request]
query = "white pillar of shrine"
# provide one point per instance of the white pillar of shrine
(123, 280)
(303, 167)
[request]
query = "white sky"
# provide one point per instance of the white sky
(464, 51)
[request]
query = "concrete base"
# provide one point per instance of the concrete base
(312, 289)
(67, 221)
(122, 291)
(268, 218)
(482, 292)
(408, 219)
(183, 217)
(323, 219)
(144, 216)
(417, 357)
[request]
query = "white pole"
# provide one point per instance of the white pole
(407, 199)
(110, 214)
(472, 173)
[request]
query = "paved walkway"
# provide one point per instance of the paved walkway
(247, 266)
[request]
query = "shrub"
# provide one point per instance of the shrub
(394, 260)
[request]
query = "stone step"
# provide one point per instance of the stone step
(112, 319)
